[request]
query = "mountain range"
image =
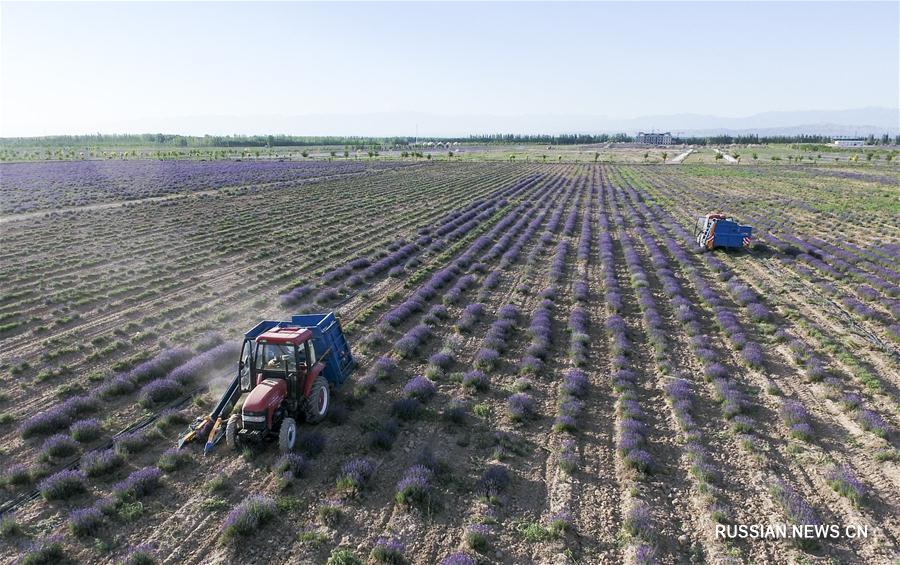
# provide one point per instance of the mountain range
(852, 122)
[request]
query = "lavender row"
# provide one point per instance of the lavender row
(631, 429)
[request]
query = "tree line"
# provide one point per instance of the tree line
(376, 143)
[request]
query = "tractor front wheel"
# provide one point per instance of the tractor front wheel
(319, 400)
(287, 436)
(231, 432)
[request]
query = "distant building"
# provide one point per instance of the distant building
(849, 142)
(654, 138)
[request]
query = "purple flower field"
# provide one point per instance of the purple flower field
(548, 367)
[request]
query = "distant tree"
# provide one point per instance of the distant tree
(305, 153)
(646, 154)
(718, 156)
(333, 153)
(889, 157)
(346, 153)
(596, 156)
(885, 139)
(512, 158)
(755, 156)
(544, 157)
(449, 154)
(869, 155)
(560, 159)
(665, 155)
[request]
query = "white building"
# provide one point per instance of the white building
(849, 142)
(654, 138)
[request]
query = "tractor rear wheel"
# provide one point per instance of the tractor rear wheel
(319, 400)
(231, 432)
(287, 436)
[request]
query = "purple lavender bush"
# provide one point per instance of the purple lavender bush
(520, 407)
(58, 445)
(470, 316)
(248, 517)
(355, 474)
(139, 484)
(143, 554)
(388, 550)
(493, 481)
(752, 355)
(420, 388)
(477, 537)
(486, 359)
(85, 521)
(455, 411)
(407, 409)
(384, 368)
(796, 509)
(415, 486)
(293, 463)
(159, 391)
(62, 485)
(561, 522)
(130, 443)
(567, 458)
(638, 522)
(871, 421)
(845, 483)
(173, 459)
(16, 474)
(84, 431)
(475, 380)
(796, 418)
(575, 383)
(99, 463)
(59, 416)
(44, 551)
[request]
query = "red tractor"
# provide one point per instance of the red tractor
(287, 370)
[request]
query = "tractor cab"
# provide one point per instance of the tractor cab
(278, 365)
(283, 353)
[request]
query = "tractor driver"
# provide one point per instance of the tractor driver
(277, 354)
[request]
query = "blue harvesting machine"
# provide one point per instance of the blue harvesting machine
(716, 230)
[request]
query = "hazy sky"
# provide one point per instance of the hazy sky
(114, 67)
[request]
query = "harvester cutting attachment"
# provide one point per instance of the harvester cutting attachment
(211, 425)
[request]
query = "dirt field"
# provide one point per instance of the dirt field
(614, 398)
